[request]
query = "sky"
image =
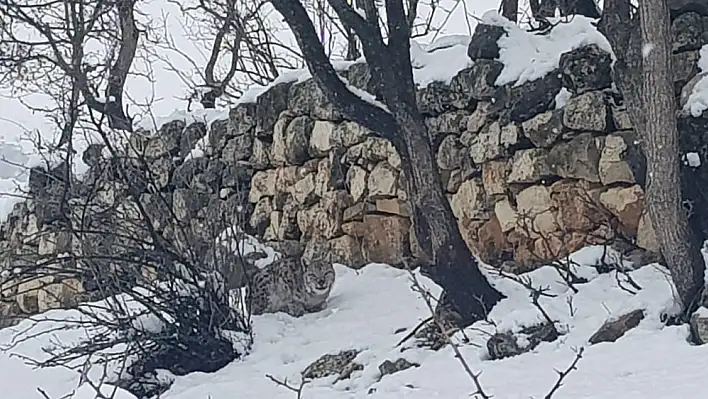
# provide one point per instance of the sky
(16, 120)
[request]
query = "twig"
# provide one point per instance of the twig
(284, 384)
(563, 374)
(455, 348)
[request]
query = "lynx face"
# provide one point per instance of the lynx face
(319, 277)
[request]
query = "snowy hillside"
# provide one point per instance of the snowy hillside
(373, 309)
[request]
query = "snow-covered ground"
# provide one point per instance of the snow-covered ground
(369, 310)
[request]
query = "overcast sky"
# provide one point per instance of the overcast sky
(15, 118)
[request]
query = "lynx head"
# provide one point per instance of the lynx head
(318, 270)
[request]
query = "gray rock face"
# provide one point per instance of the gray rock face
(687, 32)
(587, 112)
(269, 106)
(532, 98)
(586, 68)
(613, 330)
(577, 159)
(478, 81)
(483, 44)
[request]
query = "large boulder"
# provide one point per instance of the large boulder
(469, 201)
(306, 98)
(386, 239)
(479, 81)
(577, 159)
(269, 105)
(687, 32)
(585, 69)
(291, 140)
(483, 44)
(493, 142)
(451, 153)
(532, 98)
(587, 112)
(544, 129)
(529, 166)
(627, 204)
(621, 159)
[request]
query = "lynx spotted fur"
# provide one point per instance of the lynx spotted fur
(290, 285)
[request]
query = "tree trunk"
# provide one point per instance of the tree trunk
(510, 9)
(679, 246)
(451, 264)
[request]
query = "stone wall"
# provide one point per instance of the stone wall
(533, 171)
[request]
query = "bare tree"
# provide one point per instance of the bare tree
(449, 262)
(47, 42)
(642, 43)
(243, 45)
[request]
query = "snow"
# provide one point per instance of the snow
(698, 99)
(369, 310)
(562, 97)
(527, 56)
(692, 159)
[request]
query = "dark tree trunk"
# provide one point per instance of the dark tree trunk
(680, 247)
(647, 88)
(449, 262)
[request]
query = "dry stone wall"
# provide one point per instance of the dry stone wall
(532, 171)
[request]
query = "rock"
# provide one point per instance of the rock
(687, 90)
(324, 219)
(357, 211)
(386, 239)
(699, 326)
(290, 145)
(382, 181)
(388, 367)
(577, 159)
(269, 106)
(435, 98)
(242, 121)
(678, 7)
(533, 97)
(646, 235)
(453, 122)
(304, 190)
(493, 142)
(687, 32)
(468, 202)
(393, 206)
(357, 182)
(621, 160)
(684, 66)
(190, 136)
(627, 204)
(483, 44)
(262, 185)
(529, 166)
(494, 177)
(544, 129)
(239, 148)
(613, 330)
(506, 344)
(306, 98)
(321, 138)
(621, 118)
(577, 205)
(348, 134)
(478, 82)
(506, 215)
(160, 172)
(478, 118)
(534, 206)
(260, 156)
(451, 153)
(341, 363)
(187, 203)
(347, 251)
(586, 69)
(586, 112)
(488, 241)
